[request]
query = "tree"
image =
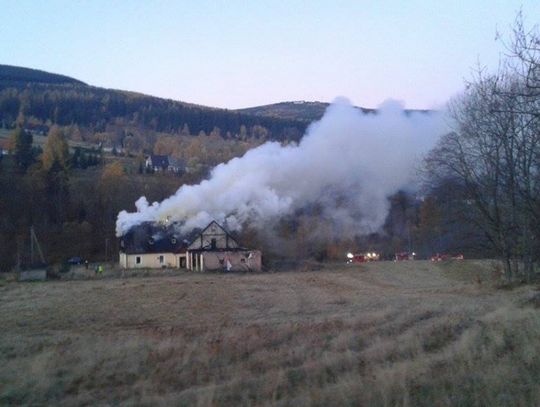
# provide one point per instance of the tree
(493, 153)
(57, 193)
(56, 151)
(21, 148)
(524, 62)
(243, 133)
(430, 224)
(113, 195)
(216, 132)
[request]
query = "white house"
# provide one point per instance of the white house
(153, 245)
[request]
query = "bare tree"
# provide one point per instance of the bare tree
(523, 57)
(494, 153)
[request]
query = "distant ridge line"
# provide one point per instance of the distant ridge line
(10, 73)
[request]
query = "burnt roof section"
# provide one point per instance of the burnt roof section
(151, 237)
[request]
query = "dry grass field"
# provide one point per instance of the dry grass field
(382, 334)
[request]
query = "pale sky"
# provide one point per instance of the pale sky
(236, 54)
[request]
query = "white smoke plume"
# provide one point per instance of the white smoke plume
(358, 158)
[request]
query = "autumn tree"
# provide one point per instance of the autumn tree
(56, 151)
(185, 130)
(21, 148)
(111, 187)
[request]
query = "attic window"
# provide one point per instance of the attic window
(151, 240)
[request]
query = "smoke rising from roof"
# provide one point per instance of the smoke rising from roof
(348, 163)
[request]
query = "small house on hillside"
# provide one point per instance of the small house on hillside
(152, 245)
(157, 162)
(163, 163)
(37, 129)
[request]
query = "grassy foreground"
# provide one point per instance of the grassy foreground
(386, 334)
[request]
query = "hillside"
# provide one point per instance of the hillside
(55, 99)
(298, 110)
(48, 98)
(301, 111)
(14, 75)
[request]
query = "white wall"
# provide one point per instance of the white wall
(148, 260)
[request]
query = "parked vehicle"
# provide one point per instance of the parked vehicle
(404, 256)
(356, 258)
(75, 260)
(444, 256)
(362, 257)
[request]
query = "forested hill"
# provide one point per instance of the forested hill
(40, 97)
(298, 110)
(302, 111)
(18, 76)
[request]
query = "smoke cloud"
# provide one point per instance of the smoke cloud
(348, 163)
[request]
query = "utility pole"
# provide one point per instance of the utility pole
(106, 250)
(35, 243)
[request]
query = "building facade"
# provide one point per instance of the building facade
(152, 245)
(215, 249)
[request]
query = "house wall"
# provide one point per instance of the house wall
(204, 240)
(240, 260)
(33, 275)
(149, 260)
(123, 260)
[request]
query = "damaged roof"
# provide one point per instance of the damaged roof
(151, 237)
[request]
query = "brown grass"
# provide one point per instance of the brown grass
(386, 334)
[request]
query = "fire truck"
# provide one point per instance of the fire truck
(362, 257)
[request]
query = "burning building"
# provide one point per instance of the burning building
(156, 245)
(347, 164)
